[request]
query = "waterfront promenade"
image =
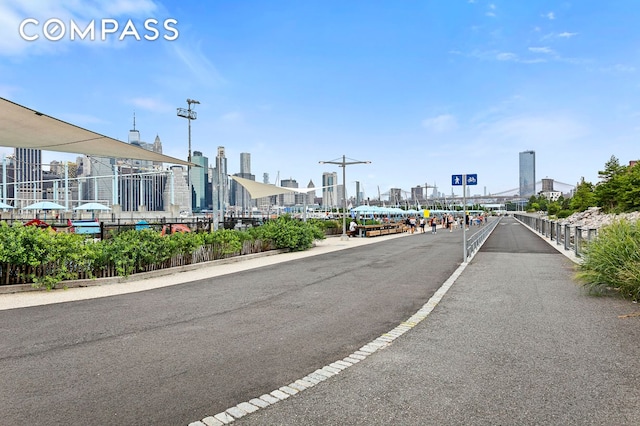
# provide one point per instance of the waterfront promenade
(507, 339)
(513, 342)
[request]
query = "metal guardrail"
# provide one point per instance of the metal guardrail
(571, 237)
(475, 242)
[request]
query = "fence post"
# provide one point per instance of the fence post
(567, 237)
(576, 245)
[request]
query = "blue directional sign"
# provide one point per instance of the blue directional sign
(456, 180)
(472, 179)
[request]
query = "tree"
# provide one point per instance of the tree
(608, 191)
(584, 197)
(629, 195)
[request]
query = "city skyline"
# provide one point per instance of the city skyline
(423, 90)
(140, 186)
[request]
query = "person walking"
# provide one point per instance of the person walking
(422, 224)
(412, 223)
(434, 224)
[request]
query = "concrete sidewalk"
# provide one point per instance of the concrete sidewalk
(514, 342)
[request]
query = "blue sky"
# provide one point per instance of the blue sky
(422, 89)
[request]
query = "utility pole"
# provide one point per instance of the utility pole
(189, 114)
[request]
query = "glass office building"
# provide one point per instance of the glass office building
(527, 173)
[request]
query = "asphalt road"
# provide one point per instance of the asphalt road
(513, 342)
(173, 355)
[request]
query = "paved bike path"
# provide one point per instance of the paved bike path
(515, 341)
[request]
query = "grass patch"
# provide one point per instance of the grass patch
(612, 261)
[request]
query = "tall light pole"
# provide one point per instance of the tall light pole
(344, 163)
(189, 114)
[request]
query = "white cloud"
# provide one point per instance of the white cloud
(546, 50)
(551, 130)
(567, 34)
(619, 68)
(151, 104)
(201, 68)
(551, 16)
(441, 123)
(506, 56)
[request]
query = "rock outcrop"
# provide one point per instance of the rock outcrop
(592, 218)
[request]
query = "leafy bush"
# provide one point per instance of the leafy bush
(22, 245)
(286, 232)
(612, 260)
(66, 257)
(63, 255)
(562, 214)
(226, 241)
(131, 249)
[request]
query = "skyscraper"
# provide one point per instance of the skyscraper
(527, 173)
(220, 182)
(199, 181)
(28, 174)
(311, 195)
(288, 199)
(330, 189)
(245, 163)
(240, 197)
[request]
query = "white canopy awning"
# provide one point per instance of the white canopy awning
(259, 190)
(21, 127)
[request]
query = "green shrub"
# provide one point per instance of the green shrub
(23, 245)
(562, 214)
(612, 260)
(63, 255)
(293, 234)
(227, 241)
(66, 257)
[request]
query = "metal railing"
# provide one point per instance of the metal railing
(475, 242)
(571, 237)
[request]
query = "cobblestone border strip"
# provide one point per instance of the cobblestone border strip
(231, 414)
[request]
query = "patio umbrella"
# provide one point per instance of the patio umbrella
(5, 206)
(92, 206)
(44, 205)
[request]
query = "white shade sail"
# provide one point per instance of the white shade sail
(21, 127)
(259, 190)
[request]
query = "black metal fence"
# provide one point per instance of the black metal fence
(571, 237)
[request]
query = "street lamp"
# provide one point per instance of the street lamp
(189, 114)
(344, 163)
